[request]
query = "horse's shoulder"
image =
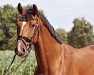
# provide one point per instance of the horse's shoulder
(67, 46)
(68, 49)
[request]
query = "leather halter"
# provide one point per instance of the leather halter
(26, 39)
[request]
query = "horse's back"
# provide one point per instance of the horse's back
(79, 61)
(86, 60)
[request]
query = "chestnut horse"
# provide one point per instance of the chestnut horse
(52, 55)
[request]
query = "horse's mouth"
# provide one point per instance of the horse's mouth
(22, 53)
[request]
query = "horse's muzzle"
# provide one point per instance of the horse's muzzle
(21, 53)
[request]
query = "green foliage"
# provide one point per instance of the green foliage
(8, 19)
(62, 34)
(81, 34)
(26, 68)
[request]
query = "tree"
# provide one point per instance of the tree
(8, 19)
(62, 34)
(81, 34)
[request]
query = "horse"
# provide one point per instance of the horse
(53, 56)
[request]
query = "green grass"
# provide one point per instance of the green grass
(27, 68)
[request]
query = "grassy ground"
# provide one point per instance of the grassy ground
(27, 68)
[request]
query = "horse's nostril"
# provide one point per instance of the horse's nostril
(23, 49)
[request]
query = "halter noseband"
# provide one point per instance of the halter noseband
(20, 37)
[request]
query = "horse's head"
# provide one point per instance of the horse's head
(27, 30)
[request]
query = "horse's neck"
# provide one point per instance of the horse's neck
(40, 56)
(47, 50)
(52, 49)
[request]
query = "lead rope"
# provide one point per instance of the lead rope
(6, 71)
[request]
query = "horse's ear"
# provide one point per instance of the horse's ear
(35, 9)
(20, 9)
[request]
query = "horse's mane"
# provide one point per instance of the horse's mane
(27, 15)
(51, 29)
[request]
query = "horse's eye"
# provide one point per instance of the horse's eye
(32, 25)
